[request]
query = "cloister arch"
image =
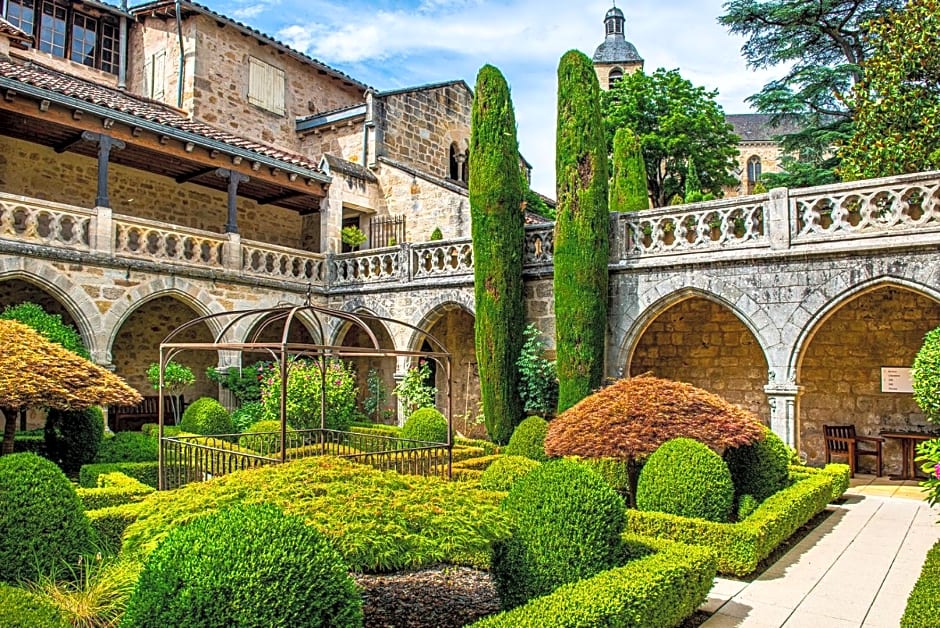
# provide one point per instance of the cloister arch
(701, 339)
(837, 362)
(350, 335)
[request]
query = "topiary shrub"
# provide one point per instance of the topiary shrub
(245, 566)
(128, 447)
(41, 518)
(206, 416)
(264, 437)
(528, 439)
(684, 477)
(925, 376)
(21, 608)
(73, 436)
(249, 413)
(425, 424)
(761, 469)
(568, 526)
(502, 473)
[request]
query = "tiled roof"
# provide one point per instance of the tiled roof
(66, 85)
(267, 39)
(756, 127)
(13, 32)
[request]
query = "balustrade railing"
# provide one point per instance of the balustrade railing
(539, 245)
(280, 262)
(442, 259)
(41, 222)
(374, 265)
(135, 237)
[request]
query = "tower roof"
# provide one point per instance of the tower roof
(616, 49)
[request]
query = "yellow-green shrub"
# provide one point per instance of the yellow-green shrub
(110, 523)
(838, 473)
(144, 472)
(505, 471)
(113, 489)
(923, 605)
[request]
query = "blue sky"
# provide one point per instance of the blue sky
(390, 44)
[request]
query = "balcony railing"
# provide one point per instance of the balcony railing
(845, 216)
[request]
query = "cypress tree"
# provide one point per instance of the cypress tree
(628, 192)
(581, 231)
(497, 229)
(693, 185)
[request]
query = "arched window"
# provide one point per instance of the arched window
(465, 167)
(753, 172)
(615, 75)
(454, 164)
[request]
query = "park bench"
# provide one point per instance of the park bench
(131, 418)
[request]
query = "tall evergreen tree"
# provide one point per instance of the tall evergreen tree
(496, 196)
(628, 191)
(581, 231)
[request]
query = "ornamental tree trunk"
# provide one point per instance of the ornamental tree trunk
(581, 232)
(9, 430)
(496, 206)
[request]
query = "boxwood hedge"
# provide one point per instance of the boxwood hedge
(113, 489)
(837, 472)
(741, 546)
(923, 605)
(144, 472)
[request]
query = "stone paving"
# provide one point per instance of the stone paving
(854, 570)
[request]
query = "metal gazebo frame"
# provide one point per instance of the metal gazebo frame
(286, 353)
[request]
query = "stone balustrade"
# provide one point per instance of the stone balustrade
(847, 215)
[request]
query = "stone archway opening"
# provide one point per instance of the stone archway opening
(703, 343)
(381, 368)
(840, 369)
(454, 327)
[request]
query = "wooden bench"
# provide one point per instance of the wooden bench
(842, 439)
(132, 418)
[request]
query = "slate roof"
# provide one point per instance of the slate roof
(70, 86)
(756, 127)
(426, 86)
(248, 30)
(13, 32)
(353, 169)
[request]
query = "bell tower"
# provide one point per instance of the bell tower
(615, 57)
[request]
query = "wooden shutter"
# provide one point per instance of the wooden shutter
(266, 86)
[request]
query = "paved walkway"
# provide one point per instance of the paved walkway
(854, 570)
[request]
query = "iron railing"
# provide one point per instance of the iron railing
(386, 231)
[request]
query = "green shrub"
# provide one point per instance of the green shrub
(613, 471)
(427, 425)
(113, 489)
(837, 473)
(761, 469)
(20, 608)
(504, 471)
(379, 521)
(248, 414)
(684, 477)
(378, 429)
(747, 504)
(128, 447)
(538, 379)
(528, 439)
(153, 430)
(49, 325)
(245, 566)
(41, 518)
(568, 526)
(477, 464)
(652, 591)
(925, 376)
(206, 416)
(73, 436)
(739, 547)
(303, 395)
(145, 472)
(110, 523)
(489, 448)
(466, 475)
(264, 437)
(33, 441)
(459, 453)
(924, 601)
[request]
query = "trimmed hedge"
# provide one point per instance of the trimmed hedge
(466, 475)
(759, 469)
(208, 417)
(505, 471)
(461, 453)
(73, 436)
(20, 608)
(249, 565)
(652, 591)
(489, 448)
(477, 464)
(113, 489)
(837, 472)
(110, 523)
(153, 429)
(33, 441)
(741, 546)
(145, 472)
(528, 439)
(427, 425)
(923, 605)
(128, 447)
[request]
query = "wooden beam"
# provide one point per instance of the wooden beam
(277, 198)
(195, 174)
(63, 146)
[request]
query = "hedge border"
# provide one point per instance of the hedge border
(839, 473)
(741, 546)
(114, 489)
(661, 587)
(924, 601)
(111, 522)
(144, 472)
(480, 463)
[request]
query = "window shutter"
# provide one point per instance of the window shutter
(159, 75)
(266, 86)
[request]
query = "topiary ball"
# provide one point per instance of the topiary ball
(245, 566)
(21, 608)
(528, 439)
(759, 470)
(503, 472)
(568, 526)
(684, 477)
(74, 436)
(264, 437)
(206, 416)
(425, 424)
(43, 524)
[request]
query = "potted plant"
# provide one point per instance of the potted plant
(352, 236)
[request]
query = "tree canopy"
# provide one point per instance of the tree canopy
(823, 44)
(897, 127)
(675, 122)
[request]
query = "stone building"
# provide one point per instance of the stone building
(615, 57)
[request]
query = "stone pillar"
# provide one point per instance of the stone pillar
(234, 178)
(105, 144)
(232, 252)
(778, 218)
(784, 411)
(331, 220)
(101, 237)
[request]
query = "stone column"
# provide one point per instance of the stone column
(105, 144)
(784, 410)
(778, 218)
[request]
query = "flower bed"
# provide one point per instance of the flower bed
(739, 547)
(663, 584)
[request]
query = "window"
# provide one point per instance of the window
(615, 75)
(58, 29)
(266, 86)
(454, 166)
(753, 172)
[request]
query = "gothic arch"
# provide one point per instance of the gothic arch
(436, 309)
(365, 306)
(73, 298)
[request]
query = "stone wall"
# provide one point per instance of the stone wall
(425, 205)
(27, 169)
(769, 153)
(841, 369)
(700, 342)
(540, 309)
(342, 140)
(419, 126)
(154, 36)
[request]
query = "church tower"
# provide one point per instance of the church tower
(616, 56)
